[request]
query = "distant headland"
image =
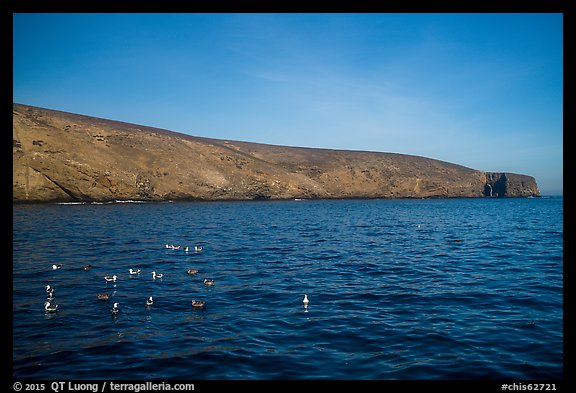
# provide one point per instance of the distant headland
(65, 157)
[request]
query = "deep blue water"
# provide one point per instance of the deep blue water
(398, 289)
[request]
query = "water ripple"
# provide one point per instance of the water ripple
(406, 289)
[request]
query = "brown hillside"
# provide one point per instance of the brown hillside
(60, 156)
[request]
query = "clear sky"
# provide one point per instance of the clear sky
(480, 90)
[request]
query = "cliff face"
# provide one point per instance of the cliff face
(59, 156)
(510, 184)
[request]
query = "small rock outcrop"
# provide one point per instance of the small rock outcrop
(59, 156)
(510, 185)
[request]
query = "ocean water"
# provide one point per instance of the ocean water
(397, 289)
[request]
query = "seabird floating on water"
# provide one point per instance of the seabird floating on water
(103, 296)
(186, 249)
(110, 278)
(50, 292)
(57, 266)
(132, 271)
(149, 301)
(157, 275)
(305, 301)
(198, 248)
(198, 303)
(115, 309)
(191, 271)
(208, 282)
(86, 267)
(50, 307)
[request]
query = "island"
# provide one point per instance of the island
(65, 157)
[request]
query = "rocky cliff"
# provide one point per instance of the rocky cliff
(60, 156)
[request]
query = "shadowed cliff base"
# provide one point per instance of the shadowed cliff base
(63, 157)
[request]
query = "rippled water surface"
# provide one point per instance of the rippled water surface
(398, 289)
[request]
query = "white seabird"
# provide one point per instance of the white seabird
(110, 278)
(115, 309)
(57, 266)
(132, 271)
(305, 301)
(49, 307)
(149, 301)
(198, 248)
(50, 292)
(157, 275)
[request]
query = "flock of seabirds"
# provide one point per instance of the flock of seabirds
(51, 307)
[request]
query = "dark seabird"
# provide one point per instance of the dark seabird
(198, 303)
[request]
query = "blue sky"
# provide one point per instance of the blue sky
(480, 90)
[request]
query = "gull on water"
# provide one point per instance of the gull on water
(198, 303)
(115, 309)
(305, 301)
(57, 266)
(50, 292)
(149, 301)
(198, 248)
(49, 307)
(132, 271)
(157, 275)
(103, 296)
(208, 282)
(110, 278)
(191, 271)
